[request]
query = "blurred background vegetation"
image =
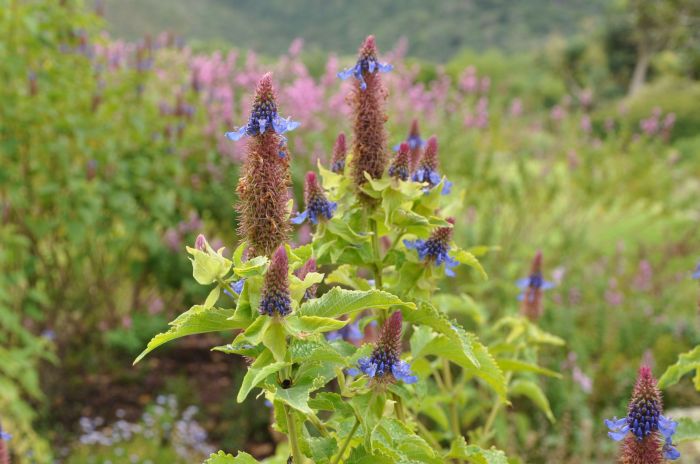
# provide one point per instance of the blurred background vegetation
(571, 127)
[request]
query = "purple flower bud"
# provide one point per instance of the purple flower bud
(200, 243)
(399, 166)
(339, 153)
(275, 299)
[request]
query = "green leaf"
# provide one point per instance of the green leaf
(224, 458)
(474, 454)
(309, 377)
(338, 302)
(516, 365)
(470, 260)
(252, 267)
(531, 390)
(688, 430)
(347, 275)
(261, 368)
(209, 266)
(394, 439)
(687, 362)
(298, 287)
(322, 448)
(196, 320)
(275, 339)
(304, 325)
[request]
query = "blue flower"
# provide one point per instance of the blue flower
(414, 141)
(670, 451)
(316, 211)
(367, 64)
(696, 273)
(617, 428)
(667, 427)
(259, 123)
(377, 368)
(534, 281)
(236, 287)
(436, 249)
(4, 435)
(350, 332)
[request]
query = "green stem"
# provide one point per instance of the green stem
(493, 414)
(454, 418)
(346, 443)
(293, 437)
(398, 407)
(377, 254)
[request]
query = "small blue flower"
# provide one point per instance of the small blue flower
(377, 369)
(435, 250)
(350, 332)
(5, 436)
(315, 211)
(670, 451)
(696, 273)
(617, 428)
(236, 287)
(534, 281)
(432, 178)
(368, 64)
(414, 141)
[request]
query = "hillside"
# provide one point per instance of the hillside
(437, 30)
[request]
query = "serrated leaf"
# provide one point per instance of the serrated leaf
(196, 320)
(275, 339)
(686, 363)
(314, 324)
(394, 439)
(470, 260)
(516, 365)
(531, 390)
(338, 302)
(224, 458)
(261, 368)
(474, 454)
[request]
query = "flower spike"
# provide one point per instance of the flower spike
(340, 150)
(318, 208)
(275, 299)
(399, 167)
(415, 144)
(428, 167)
(369, 144)
(646, 434)
(436, 249)
(263, 185)
(385, 364)
(533, 286)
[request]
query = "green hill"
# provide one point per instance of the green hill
(436, 29)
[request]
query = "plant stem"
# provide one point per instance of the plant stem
(493, 414)
(398, 407)
(346, 443)
(377, 254)
(454, 418)
(293, 437)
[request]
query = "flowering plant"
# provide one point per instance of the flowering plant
(350, 337)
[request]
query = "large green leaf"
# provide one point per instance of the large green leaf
(338, 302)
(394, 439)
(196, 320)
(531, 390)
(687, 362)
(475, 454)
(257, 372)
(224, 458)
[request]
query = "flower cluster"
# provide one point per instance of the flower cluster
(437, 248)
(415, 145)
(646, 434)
(532, 287)
(427, 170)
(318, 207)
(399, 168)
(385, 364)
(263, 187)
(275, 299)
(340, 151)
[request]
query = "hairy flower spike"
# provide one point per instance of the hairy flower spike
(427, 170)
(264, 117)
(263, 186)
(385, 365)
(436, 249)
(340, 150)
(369, 144)
(399, 168)
(318, 208)
(302, 272)
(646, 435)
(415, 144)
(533, 286)
(275, 299)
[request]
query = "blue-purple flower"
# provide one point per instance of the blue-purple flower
(646, 433)
(532, 287)
(436, 249)
(235, 287)
(264, 116)
(4, 435)
(696, 273)
(385, 364)
(427, 170)
(367, 63)
(318, 207)
(350, 333)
